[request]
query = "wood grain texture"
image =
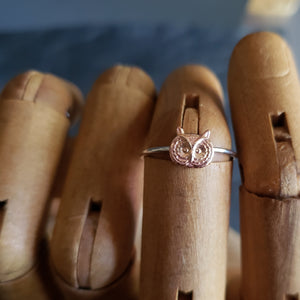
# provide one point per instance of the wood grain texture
(33, 128)
(126, 287)
(264, 95)
(34, 285)
(93, 239)
(186, 210)
(233, 277)
(270, 246)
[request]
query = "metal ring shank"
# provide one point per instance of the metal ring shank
(166, 149)
(225, 151)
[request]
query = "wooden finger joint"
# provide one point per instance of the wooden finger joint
(191, 113)
(291, 297)
(2, 211)
(87, 243)
(184, 295)
(285, 155)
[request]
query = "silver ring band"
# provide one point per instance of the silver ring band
(167, 149)
(191, 150)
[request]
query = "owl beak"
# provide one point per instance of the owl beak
(189, 164)
(192, 160)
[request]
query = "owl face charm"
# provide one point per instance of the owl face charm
(191, 150)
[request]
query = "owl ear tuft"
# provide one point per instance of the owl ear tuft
(206, 134)
(179, 130)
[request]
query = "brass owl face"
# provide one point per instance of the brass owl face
(191, 150)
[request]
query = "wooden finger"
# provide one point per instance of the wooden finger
(233, 277)
(186, 210)
(92, 249)
(33, 126)
(264, 95)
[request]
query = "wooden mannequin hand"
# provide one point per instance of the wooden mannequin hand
(96, 189)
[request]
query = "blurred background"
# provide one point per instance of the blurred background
(78, 40)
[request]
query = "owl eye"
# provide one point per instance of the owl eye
(200, 150)
(203, 152)
(185, 150)
(181, 150)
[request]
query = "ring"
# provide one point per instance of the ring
(191, 150)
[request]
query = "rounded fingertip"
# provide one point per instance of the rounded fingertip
(60, 96)
(52, 91)
(75, 101)
(16, 87)
(196, 90)
(197, 75)
(261, 55)
(131, 76)
(263, 88)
